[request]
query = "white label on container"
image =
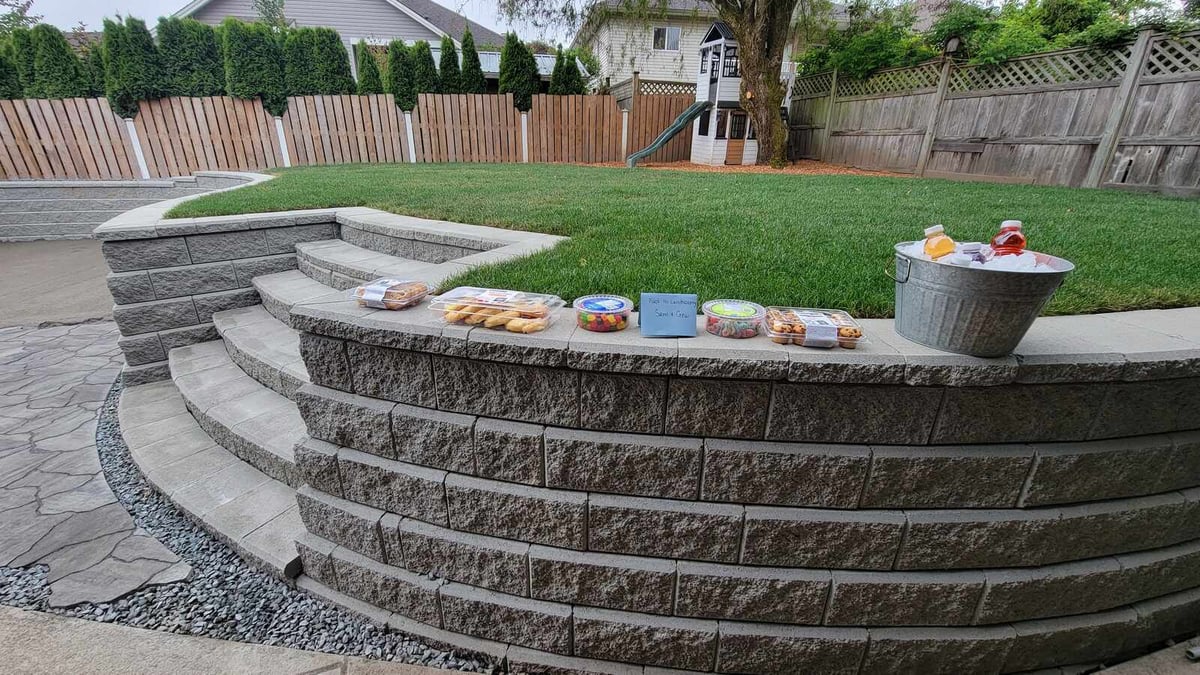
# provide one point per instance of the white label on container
(819, 331)
(373, 295)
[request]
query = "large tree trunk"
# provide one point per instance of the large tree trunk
(761, 28)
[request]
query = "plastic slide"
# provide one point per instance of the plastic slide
(685, 118)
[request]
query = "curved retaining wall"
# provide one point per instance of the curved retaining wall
(712, 504)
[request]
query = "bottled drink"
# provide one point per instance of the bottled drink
(937, 244)
(1010, 240)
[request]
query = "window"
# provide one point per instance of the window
(731, 63)
(704, 123)
(750, 132)
(722, 116)
(737, 126)
(704, 60)
(716, 62)
(666, 38)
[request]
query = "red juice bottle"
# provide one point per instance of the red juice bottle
(1010, 240)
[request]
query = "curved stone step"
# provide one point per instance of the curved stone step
(258, 425)
(342, 265)
(283, 290)
(264, 347)
(251, 512)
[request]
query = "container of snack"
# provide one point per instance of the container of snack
(603, 313)
(732, 318)
(808, 327)
(391, 293)
(497, 308)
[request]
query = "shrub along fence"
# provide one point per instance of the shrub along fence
(1124, 117)
(84, 139)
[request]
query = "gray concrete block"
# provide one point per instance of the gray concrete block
(757, 648)
(211, 303)
(719, 408)
(284, 239)
(317, 464)
(600, 580)
(758, 472)
(227, 246)
(973, 539)
(1161, 407)
(316, 558)
(128, 288)
(487, 614)
(347, 420)
(342, 522)
(434, 438)
(1122, 525)
(524, 513)
(315, 272)
(652, 466)
(141, 254)
(249, 268)
(1167, 617)
(151, 372)
(617, 402)
(387, 587)
(149, 317)
(531, 662)
(904, 598)
(752, 594)
(623, 352)
(523, 393)
(1065, 640)
(176, 282)
(1066, 412)
(817, 538)
(389, 532)
(496, 564)
(401, 248)
(393, 486)
(653, 640)
(392, 374)
(326, 361)
(664, 528)
(188, 335)
(1056, 590)
(1078, 472)
(954, 477)
(885, 414)
(142, 349)
(938, 651)
(1161, 571)
(509, 451)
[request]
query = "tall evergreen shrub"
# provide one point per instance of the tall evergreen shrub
(332, 62)
(94, 70)
(10, 83)
(145, 51)
(57, 72)
(253, 64)
(425, 75)
(299, 66)
(369, 81)
(448, 72)
(518, 72)
(190, 59)
(566, 79)
(400, 75)
(21, 41)
(471, 77)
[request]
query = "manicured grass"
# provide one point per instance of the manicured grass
(814, 241)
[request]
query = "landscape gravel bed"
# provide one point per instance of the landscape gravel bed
(224, 597)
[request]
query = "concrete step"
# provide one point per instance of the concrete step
(342, 265)
(32, 217)
(282, 290)
(34, 231)
(258, 425)
(264, 347)
(253, 513)
(98, 190)
(71, 204)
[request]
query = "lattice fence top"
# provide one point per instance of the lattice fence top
(661, 88)
(924, 76)
(1044, 69)
(1173, 55)
(812, 85)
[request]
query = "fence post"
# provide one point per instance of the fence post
(833, 84)
(137, 148)
(624, 134)
(412, 150)
(283, 146)
(1118, 114)
(935, 110)
(525, 137)
(635, 89)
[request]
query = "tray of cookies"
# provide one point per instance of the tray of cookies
(391, 293)
(498, 309)
(808, 327)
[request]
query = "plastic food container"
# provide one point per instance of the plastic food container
(391, 293)
(808, 327)
(732, 318)
(499, 309)
(603, 313)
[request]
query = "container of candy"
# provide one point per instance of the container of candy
(498, 309)
(732, 318)
(391, 293)
(603, 313)
(809, 327)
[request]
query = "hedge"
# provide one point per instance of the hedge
(93, 68)
(333, 63)
(131, 67)
(190, 58)
(10, 83)
(253, 64)
(400, 75)
(425, 75)
(57, 72)
(299, 66)
(471, 77)
(369, 81)
(448, 73)
(21, 42)
(518, 72)
(566, 78)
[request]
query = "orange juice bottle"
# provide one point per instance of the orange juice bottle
(1010, 240)
(937, 244)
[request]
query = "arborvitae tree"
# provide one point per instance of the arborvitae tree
(556, 75)
(253, 64)
(518, 72)
(400, 75)
(93, 69)
(190, 59)
(369, 81)
(10, 83)
(22, 56)
(130, 66)
(141, 43)
(570, 79)
(332, 62)
(448, 74)
(425, 75)
(57, 72)
(300, 69)
(471, 78)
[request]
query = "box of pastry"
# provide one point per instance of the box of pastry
(499, 309)
(808, 327)
(391, 293)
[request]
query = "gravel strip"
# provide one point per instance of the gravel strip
(224, 598)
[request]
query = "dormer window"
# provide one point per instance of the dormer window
(666, 38)
(704, 60)
(731, 63)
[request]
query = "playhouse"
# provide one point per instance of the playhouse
(722, 134)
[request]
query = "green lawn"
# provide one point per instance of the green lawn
(814, 241)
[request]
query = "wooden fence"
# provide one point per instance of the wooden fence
(84, 139)
(1124, 117)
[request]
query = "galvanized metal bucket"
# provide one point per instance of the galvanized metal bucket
(970, 310)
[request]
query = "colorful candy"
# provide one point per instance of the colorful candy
(603, 313)
(732, 318)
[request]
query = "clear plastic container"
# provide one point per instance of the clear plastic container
(499, 309)
(733, 318)
(391, 293)
(603, 313)
(809, 327)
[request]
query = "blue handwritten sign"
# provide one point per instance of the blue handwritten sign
(668, 315)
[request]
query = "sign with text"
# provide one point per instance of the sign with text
(668, 314)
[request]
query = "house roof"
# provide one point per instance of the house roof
(700, 7)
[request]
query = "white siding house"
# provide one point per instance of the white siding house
(664, 48)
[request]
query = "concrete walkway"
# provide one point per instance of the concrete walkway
(52, 281)
(56, 508)
(35, 642)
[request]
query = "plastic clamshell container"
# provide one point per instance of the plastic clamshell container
(603, 313)
(498, 309)
(809, 327)
(733, 318)
(391, 293)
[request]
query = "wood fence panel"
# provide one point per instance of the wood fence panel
(650, 115)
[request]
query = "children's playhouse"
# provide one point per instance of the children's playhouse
(722, 134)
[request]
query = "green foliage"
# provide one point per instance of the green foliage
(299, 66)
(10, 84)
(963, 20)
(448, 73)
(518, 72)
(332, 63)
(57, 72)
(190, 58)
(424, 73)
(369, 81)
(1062, 17)
(146, 57)
(21, 51)
(93, 69)
(16, 15)
(253, 64)
(400, 75)
(566, 79)
(881, 46)
(590, 63)
(471, 77)
(1015, 35)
